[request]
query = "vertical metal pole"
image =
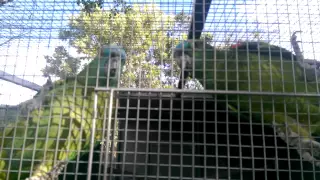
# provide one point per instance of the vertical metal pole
(108, 129)
(93, 129)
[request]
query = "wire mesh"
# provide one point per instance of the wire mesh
(132, 89)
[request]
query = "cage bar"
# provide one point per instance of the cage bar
(249, 108)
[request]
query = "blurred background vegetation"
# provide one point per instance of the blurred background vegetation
(147, 34)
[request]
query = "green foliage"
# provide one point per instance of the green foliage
(141, 29)
(147, 34)
(61, 64)
(120, 6)
(88, 6)
(181, 24)
(207, 36)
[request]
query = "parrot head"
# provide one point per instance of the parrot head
(185, 53)
(113, 59)
(190, 57)
(106, 67)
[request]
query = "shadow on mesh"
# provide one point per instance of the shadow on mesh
(205, 144)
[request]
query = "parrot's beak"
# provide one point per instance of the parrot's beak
(183, 78)
(113, 73)
(182, 81)
(186, 68)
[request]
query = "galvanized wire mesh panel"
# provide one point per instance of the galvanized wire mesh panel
(159, 90)
(195, 138)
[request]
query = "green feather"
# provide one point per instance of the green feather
(59, 130)
(235, 70)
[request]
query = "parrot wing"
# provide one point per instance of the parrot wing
(248, 69)
(53, 135)
(295, 119)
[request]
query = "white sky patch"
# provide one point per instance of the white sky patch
(277, 20)
(25, 63)
(281, 18)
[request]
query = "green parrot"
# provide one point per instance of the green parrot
(57, 127)
(261, 67)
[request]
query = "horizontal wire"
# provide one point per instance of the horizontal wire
(209, 92)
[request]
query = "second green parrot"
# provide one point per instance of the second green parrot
(263, 68)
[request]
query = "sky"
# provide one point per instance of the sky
(29, 30)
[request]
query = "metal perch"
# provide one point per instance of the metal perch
(21, 82)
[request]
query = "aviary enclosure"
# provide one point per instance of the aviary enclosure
(162, 89)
